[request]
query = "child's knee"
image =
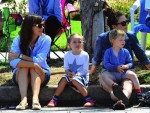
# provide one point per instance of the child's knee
(63, 80)
(131, 75)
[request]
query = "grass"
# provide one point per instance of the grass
(62, 41)
(76, 28)
(57, 71)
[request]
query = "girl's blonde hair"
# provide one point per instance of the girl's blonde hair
(70, 37)
(113, 34)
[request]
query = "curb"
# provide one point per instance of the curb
(10, 94)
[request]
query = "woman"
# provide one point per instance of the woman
(117, 20)
(28, 58)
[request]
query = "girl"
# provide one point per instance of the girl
(28, 58)
(76, 64)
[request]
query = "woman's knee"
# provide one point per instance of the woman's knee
(35, 75)
(21, 73)
(23, 70)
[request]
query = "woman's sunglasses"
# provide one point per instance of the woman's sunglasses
(39, 25)
(124, 23)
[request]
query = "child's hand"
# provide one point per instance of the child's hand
(125, 66)
(120, 69)
(70, 74)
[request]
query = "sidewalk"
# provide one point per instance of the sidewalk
(81, 110)
(10, 94)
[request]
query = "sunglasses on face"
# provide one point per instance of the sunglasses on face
(39, 25)
(124, 23)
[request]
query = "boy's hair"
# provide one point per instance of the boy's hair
(70, 37)
(113, 34)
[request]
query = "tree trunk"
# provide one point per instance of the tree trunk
(92, 21)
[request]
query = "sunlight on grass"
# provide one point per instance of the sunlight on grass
(76, 28)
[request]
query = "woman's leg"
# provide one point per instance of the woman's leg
(22, 80)
(106, 82)
(127, 87)
(36, 81)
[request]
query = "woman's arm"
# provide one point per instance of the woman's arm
(139, 53)
(27, 64)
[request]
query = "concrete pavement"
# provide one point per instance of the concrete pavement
(80, 110)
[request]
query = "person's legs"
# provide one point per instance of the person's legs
(36, 81)
(89, 102)
(81, 88)
(114, 90)
(127, 87)
(22, 80)
(106, 82)
(133, 77)
(61, 86)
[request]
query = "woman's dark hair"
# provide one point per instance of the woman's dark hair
(113, 16)
(26, 32)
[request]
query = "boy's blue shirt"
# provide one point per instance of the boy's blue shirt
(132, 45)
(111, 62)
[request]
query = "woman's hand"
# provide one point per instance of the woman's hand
(12, 56)
(38, 69)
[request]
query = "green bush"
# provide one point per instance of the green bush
(124, 6)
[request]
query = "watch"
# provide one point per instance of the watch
(20, 56)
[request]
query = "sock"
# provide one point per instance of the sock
(112, 86)
(55, 97)
(138, 90)
(87, 98)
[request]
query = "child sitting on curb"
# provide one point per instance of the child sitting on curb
(117, 64)
(76, 64)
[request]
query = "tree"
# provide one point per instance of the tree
(92, 22)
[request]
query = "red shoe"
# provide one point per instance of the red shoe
(52, 103)
(89, 103)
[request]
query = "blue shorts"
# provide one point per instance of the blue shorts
(46, 80)
(83, 80)
(117, 77)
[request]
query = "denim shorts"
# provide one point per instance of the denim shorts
(46, 80)
(117, 77)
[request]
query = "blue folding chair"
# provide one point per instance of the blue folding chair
(141, 26)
